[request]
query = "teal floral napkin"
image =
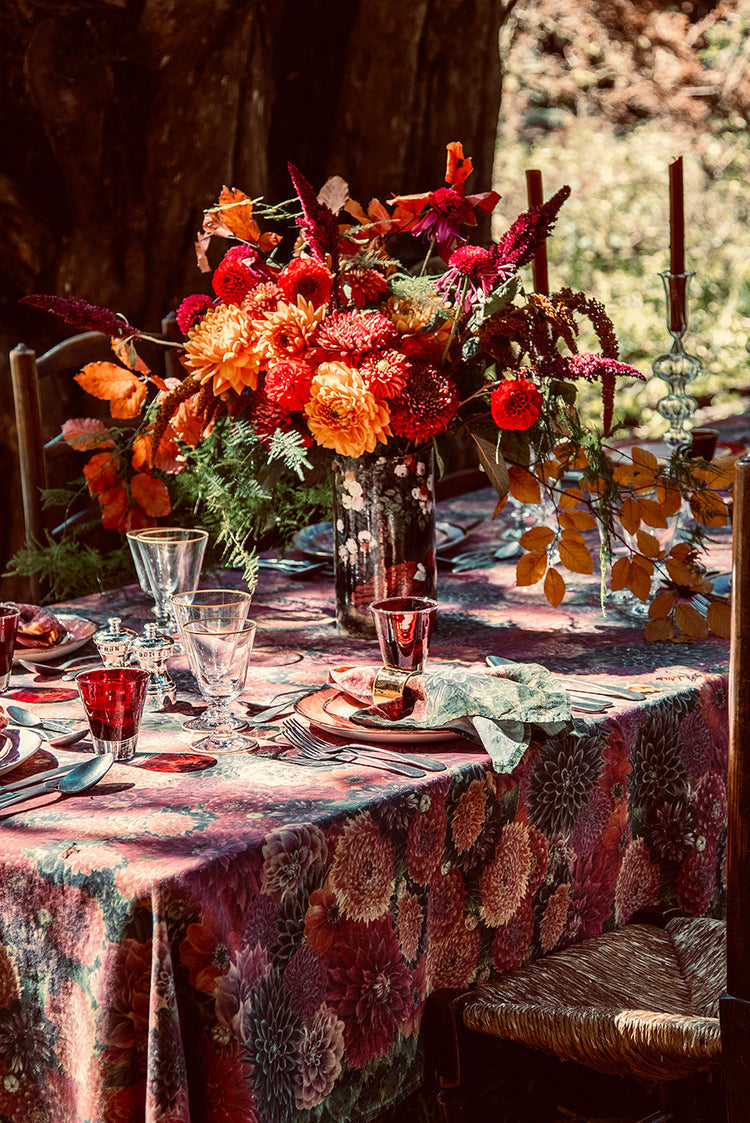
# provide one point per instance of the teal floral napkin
(499, 706)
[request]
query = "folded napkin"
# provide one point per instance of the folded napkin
(38, 627)
(498, 706)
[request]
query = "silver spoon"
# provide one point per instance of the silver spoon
(77, 780)
(21, 716)
(57, 668)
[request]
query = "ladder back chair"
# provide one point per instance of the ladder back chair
(36, 380)
(644, 1001)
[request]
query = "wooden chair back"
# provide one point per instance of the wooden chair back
(735, 1006)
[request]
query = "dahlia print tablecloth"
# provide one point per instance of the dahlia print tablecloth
(255, 941)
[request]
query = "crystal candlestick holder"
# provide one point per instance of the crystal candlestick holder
(151, 651)
(677, 368)
(114, 643)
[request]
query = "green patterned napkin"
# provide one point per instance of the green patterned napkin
(498, 706)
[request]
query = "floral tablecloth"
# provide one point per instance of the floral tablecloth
(255, 940)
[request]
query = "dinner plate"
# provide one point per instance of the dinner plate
(16, 746)
(77, 631)
(316, 541)
(329, 709)
(662, 451)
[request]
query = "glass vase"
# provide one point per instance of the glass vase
(677, 368)
(383, 533)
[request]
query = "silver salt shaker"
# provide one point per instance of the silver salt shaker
(114, 643)
(151, 651)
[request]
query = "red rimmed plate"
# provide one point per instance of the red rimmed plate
(329, 709)
(77, 631)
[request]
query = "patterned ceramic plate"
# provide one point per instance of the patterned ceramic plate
(316, 541)
(16, 746)
(329, 709)
(77, 631)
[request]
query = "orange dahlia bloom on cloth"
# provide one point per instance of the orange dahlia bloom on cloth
(222, 349)
(342, 414)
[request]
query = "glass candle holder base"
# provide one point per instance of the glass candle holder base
(214, 746)
(204, 724)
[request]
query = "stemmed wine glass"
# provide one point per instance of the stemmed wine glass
(218, 650)
(209, 604)
(167, 560)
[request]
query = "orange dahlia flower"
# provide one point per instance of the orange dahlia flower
(342, 414)
(285, 332)
(222, 348)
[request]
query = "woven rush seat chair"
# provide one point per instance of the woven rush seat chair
(654, 1002)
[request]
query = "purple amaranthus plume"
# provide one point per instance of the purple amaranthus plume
(592, 367)
(82, 315)
(517, 245)
(319, 224)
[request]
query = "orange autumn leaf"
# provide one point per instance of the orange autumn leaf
(554, 587)
(101, 472)
(571, 456)
(630, 516)
(681, 573)
(624, 474)
(236, 211)
(620, 575)
(669, 497)
(531, 568)
(121, 387)
(709, 509)
(661, 606)
(538, 538)
(577, 520)
(522, 485)
(86, 434)
(652, 513)
(574, 553)
(570, 498)
(640, 582)
(719, 618)
(114, 505)
(151, 494)
(188, 423)
(648, 545)
(141, 453)
(167, 457)
(690, 621)
(659, 630)
(500, 505)
(125, 351)
(644, 459)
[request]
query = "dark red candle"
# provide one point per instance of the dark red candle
(676, 218)
(539, 264)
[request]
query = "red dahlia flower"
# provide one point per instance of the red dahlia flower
(232, 280)
(308, 277)
(426, 406)
(516, 404)
(288, 383)
(191, 310)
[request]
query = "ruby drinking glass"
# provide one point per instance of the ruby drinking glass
(9, 617)
(113, 700)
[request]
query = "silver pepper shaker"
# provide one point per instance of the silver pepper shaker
(114, 643)
(151, 651)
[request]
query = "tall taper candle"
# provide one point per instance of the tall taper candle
(539, 264)
(676, 218)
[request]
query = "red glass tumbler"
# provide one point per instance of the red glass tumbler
(113, 698)
(9, 617)
(403, 626)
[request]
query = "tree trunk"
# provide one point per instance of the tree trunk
(125, 117)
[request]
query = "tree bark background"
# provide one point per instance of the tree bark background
(121, 119)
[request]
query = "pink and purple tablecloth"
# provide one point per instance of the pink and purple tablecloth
(255, 941)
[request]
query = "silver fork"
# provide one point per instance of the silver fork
(316, 749)
(427, 763)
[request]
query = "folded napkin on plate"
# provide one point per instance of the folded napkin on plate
(496, 706)
(38, 627)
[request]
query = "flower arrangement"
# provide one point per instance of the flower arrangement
(328, 345)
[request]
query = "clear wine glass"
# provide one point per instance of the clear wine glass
(167, 559)
(209, 604)
(218, 651)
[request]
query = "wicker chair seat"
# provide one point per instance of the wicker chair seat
(640, 1001)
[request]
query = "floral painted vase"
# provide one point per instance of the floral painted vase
(383, 533)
